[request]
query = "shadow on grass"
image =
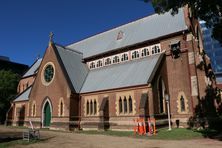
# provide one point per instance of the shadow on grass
(211, 133)
(17, 142)
(13, 138)
(10, 136)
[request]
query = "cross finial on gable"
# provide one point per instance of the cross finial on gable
(51, 37)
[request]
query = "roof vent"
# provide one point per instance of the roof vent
(120, 35)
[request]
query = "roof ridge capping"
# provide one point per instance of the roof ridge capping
(127, 24)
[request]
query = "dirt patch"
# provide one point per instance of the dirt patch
(53, 139)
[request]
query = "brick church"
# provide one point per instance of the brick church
(107, 80)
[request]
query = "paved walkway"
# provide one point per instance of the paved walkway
(53, 139)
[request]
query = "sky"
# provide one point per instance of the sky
(25, 24)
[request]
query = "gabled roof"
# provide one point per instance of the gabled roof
(74, 68)
(145, 29)
(24, 96)
(127, 74)
(33, 69)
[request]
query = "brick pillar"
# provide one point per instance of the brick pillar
(150, 103)
(193, 72)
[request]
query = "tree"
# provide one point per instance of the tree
(8, 87)
(208, 10)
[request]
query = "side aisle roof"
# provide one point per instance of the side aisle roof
(127, 74)
(33, 69)
(24, 96)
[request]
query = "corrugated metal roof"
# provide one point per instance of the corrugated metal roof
(131, 73)
(24, 96)
(76, 70)
(144, 29)
(33, 68)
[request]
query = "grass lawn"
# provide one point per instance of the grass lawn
(163, 134)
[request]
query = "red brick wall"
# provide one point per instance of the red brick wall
(23, 83)
(178, 74)
(57, 89)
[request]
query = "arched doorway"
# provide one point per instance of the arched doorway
(46, 114)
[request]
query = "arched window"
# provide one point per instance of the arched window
(116, 59)
(125, 105)
(120, 105)
(61, 108)
(95, 107)
(130, 105)
(91, 107)
(99, 63)
(107, 61)
(92, 65)
(124, 57)
(135, 54)
(182, 104)
(87, 107)
(33, 110)
(145, 52)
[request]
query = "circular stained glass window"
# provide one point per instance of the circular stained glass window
(48, 73)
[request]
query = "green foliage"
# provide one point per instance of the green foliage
(207, 10)
(8, 87)
(206, 115)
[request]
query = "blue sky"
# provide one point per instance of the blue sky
(25, 24)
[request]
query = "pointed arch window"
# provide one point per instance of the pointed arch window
(130, 105)
(91, 107)
(125, 105)
(61, 108)
(120, 105)
(182, 104)
(33, 110)
(87, 107)
(95, 107)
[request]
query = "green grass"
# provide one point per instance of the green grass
(163, 134)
